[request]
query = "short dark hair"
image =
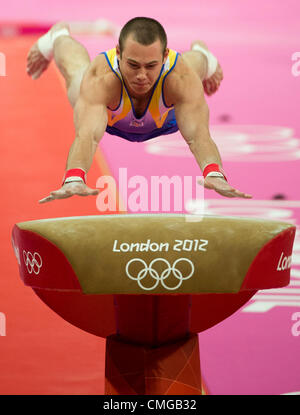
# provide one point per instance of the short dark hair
(145, 31)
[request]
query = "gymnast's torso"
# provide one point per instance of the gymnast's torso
(140, 120)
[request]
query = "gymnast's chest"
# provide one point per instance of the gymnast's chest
(139, 106)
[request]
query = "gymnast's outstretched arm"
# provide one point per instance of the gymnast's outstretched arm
(90, 120)
(185, 90)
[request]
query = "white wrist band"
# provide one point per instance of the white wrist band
(73, 179)
(215, 174)
(212, 61)
(45, 42)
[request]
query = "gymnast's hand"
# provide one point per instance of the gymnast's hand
(221, 186)
(68, 190)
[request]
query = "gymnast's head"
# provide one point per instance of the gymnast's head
(142, 50)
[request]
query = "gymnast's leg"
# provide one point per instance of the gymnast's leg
(205, 65)
(71, 58)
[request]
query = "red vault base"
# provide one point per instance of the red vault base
(153, 352)
(171, 369)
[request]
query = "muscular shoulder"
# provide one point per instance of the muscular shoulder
(100, 83)
(182, 84)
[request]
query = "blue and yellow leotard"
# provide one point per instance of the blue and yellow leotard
(158, 119)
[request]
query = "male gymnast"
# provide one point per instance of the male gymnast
(139, 90)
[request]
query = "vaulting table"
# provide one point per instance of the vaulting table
(150, 283)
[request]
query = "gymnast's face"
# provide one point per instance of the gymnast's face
(140, 65)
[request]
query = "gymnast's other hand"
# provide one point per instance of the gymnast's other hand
(221, 186)
(68, 190)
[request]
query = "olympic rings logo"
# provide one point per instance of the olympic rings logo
(155, 275)
(33, 262)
